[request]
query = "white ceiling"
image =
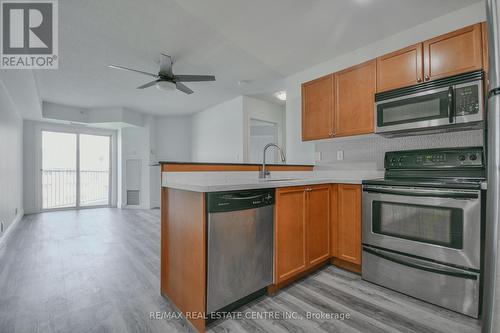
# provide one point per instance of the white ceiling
(261, 41)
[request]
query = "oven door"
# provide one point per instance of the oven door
(437, 224)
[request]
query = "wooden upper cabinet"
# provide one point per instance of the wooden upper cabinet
(290, 232)
(318, 223)
(349, 223)
(453, 53)
(355, 90)
(317, 108)
(400, 69)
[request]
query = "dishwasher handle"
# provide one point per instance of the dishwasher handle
(239, 200)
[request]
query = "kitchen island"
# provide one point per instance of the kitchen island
(305, 199)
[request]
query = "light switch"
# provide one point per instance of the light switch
(340, 155)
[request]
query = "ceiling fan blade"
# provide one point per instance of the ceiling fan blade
(183, 88)
(193, 78)
(149, 84)
(166, 65)
(132, 70)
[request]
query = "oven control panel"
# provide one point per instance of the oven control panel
(435, 158)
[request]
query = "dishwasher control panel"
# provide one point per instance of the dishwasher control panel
(239, 200)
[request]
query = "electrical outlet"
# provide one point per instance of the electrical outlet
(340, 155)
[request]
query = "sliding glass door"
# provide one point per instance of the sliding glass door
(76, 170)
(94, 170)
(59, 166)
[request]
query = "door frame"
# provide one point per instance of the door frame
(75, 129)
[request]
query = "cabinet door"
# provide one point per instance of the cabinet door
(454, 53)
(318, 223)
(400, 69)
(317, 108)
(355, 95)
(289, 232)
(349, 223)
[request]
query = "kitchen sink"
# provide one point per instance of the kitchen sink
(277, 180)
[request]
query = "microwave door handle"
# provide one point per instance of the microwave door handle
(414, 263)
(416, 193)
(451, 105)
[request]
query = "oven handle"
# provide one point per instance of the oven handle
(451, 195)
(429, 267)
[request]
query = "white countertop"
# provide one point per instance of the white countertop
(230, 181)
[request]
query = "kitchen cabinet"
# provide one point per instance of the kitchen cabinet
(348, 223)
(317, 108)
(457, 52)
(355, 89)
(289, 232)
(302, 224)
(318, 223)
(400, 69)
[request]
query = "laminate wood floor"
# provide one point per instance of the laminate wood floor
(97, 270)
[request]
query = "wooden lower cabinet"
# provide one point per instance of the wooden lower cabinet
(313, 224)
(302, 223)
(348, 223)
(289, 233)
(318, 224)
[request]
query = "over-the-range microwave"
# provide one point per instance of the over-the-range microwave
(442, 105)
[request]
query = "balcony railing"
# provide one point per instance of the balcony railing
(59, 188)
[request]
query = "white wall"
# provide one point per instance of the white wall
(217, 133)
(173, 138)
(11, 161)
(303, 152)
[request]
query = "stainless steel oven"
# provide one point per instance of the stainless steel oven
(442, 105)
(437, 224)
(422, 226)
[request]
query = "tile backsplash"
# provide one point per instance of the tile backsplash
(367, 152)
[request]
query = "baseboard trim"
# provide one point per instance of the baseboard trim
(11, 227)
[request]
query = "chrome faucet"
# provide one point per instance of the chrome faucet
(263, 172)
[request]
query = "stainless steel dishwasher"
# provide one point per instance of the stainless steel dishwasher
(239, 247)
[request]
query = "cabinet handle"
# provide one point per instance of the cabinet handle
(427, 78)
(419, 80)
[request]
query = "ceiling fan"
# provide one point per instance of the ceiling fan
(165, 79)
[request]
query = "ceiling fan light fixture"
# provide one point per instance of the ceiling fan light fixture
(165, 85)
